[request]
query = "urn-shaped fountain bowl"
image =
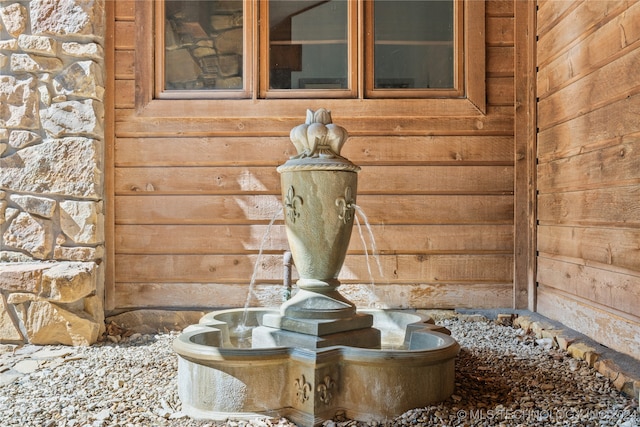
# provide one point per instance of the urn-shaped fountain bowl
(317, 354)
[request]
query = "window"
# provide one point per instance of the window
(415, 48)
(309, 46)
(206, 47)
(310, 49)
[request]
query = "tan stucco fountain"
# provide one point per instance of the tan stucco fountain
(317, 354)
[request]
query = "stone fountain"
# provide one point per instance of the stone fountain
(317, 354)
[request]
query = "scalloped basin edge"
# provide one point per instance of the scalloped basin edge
(219, 379)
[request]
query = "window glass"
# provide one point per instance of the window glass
(308, 44)
(203, 45)
(413, 44)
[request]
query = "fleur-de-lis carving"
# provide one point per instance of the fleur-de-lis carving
(303, 388)
(324, 389)
(346, 206)
(291, 202)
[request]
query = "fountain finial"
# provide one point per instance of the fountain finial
(318, 137)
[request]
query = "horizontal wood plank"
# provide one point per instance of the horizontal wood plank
(207, 295)
(452, 150)
(550, 12)
(581, 21)
(123, 93)
(609, 246)
(269, 126)
(125, 10)
(238, 268)
(218, 295)
(432, 239)
(606, 287)
(606, 85)
(214, 209)
(250, 238)
(444, 209)
(499, 8)
(280, 116)
(396, 180)
(294, 110)
(124, 35)
(124, 65)
(500, 90)
(500, 61)
(431, 295)
(597, 129)
(500, 31)
(197, 180)
(614, 207)
(618, 165)
(273, 151)
(203, 151)
(241, 209)
(604, 326)
(372, 180)
(200, 239)
(617, 37)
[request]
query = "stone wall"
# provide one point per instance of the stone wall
(51, 171)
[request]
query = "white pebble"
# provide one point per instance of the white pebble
(134, 383)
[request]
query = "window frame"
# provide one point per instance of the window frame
(248, 55)
(458, 89)
(353, 14)
(149, 101)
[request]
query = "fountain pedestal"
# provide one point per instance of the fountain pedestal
(319, 327)
(317, 316)
(319, 189)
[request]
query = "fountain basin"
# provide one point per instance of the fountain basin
(220, 376)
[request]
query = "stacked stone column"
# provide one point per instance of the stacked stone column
(51, 171)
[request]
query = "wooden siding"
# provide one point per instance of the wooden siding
(194, 192)
(588, 268)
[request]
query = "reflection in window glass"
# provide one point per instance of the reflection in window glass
(203, 45)
(414, 46)
(308, 44)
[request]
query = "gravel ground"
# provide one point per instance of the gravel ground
(503, 378)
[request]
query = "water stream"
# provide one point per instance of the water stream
(374, 251)
(243, 330)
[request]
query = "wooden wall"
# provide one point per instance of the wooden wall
(588, 268)
(193, 193)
